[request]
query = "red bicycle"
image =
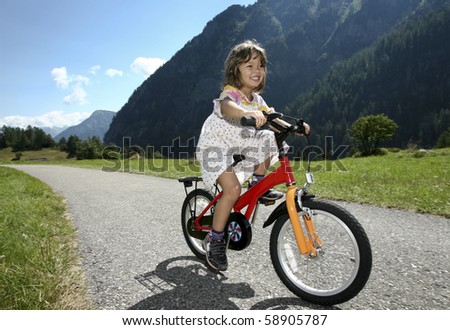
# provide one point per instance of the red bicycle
(318, 249)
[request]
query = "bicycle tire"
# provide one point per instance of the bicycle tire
(344, 262)
(202, 198)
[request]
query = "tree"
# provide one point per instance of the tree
(369, 131)
(89, 149)
(37, 138)
(31, 138)
(62, 144)
(72, 146)
(444, 140)
(22, 143)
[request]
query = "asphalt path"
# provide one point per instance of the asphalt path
(135, 256)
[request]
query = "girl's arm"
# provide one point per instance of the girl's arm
(286, 124)
(232, 110)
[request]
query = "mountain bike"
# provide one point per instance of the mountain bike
(318, 249)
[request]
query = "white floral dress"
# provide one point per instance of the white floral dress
(222, 137)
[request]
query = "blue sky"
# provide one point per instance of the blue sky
(60, 60)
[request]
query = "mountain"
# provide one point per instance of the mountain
(96, 125)
(54, 130)
(304, 40)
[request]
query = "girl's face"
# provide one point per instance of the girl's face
(252, 74)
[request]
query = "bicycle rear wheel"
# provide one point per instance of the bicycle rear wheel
(343, 264)
(194, 203)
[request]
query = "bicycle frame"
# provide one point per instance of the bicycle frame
(283, 174)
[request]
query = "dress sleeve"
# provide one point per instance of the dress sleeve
(262, 106)
(228, 92)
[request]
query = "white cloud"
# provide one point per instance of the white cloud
(50, 119)
(73, 82)
(78, 96)
(80, 80)
(93, 70)
(60, 77)
(113, 72)
(146, 66)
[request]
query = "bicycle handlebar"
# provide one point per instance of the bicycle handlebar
(281, 131)
(297, 128)
(248, 121)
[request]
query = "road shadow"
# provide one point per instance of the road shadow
(184, 283)
(289, 304)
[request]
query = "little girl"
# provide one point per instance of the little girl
(222, 136)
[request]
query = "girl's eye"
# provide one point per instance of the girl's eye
(259, 66)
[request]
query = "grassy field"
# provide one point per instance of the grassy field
(410, 180)
(38, 257)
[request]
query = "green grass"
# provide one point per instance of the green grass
(38, 258)
(6, 155)
(407, 180)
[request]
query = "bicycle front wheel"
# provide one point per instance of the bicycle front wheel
(343, 263)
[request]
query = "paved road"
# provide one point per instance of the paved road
(135, 256)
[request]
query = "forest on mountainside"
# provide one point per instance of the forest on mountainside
(405, 75)
(330, 62)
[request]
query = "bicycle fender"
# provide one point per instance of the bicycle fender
(280, 209)
(275, 214)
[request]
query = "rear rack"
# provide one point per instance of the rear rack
(187, 181)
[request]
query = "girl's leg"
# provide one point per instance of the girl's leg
(261, 169)
(258, 174)
(214, 244)
(231, 191)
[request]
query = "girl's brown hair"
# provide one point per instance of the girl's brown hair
(243, 53)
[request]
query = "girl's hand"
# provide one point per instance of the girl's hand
(259, 116)
(306, 131)
(307, 128)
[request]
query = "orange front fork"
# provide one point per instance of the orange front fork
(305, 246)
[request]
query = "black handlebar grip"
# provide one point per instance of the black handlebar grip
(248, 121)
(300, 127)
